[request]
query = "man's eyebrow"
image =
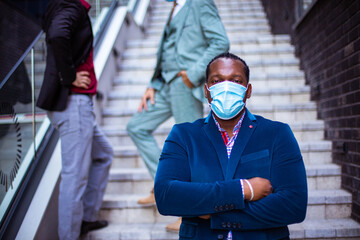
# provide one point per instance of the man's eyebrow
(221, 75)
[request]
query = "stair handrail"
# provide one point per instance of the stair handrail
(103, 24)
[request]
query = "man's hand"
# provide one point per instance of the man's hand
(185, 78)
(149, 94)
(82, 80)
(261, 187)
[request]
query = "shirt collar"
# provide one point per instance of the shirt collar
(85, 4)
(180, 3)
(237, 126)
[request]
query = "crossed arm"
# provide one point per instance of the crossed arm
(176, 195)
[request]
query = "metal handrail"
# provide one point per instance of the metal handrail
(97, 38)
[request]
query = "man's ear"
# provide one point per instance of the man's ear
(207, 94)
(249, 91)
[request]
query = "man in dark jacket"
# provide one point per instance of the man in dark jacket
(66, 94)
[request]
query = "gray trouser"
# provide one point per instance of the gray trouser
(86, 159)
(174, 99)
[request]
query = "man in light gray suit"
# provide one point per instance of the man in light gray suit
(193, 35)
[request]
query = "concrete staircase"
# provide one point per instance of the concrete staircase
(279, 93)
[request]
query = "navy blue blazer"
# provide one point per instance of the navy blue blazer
(195, 178)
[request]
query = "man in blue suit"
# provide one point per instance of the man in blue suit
(232, 174)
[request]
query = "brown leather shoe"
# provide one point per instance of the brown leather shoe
(147, 200)
(174, 227)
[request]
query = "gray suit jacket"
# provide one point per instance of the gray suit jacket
(200, 37)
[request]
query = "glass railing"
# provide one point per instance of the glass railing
(23, 125)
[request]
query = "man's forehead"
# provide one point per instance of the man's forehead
(227, 63)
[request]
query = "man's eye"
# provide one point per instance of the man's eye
(215, 81)
(236, 80)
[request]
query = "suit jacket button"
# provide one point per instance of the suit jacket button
(228, 225)
(239, 225)
(227, 207)
(232, 206)
(216, 208)
(223, 225)
(221, 208)
(234, 225)
(220, 236)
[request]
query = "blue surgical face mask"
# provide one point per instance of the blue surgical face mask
(227, 99)
(169, 0)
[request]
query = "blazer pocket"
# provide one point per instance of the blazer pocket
(255, 164)
(187, 230)
(255, 156)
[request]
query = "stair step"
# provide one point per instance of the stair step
(285, 113)
(231, 34)
(136, 77)
(163, 16)
(129, 181)
(314, 153)
(227, 23)
(330, 204)
(254, 63)
(250, 39)
(118, 136)
(254, 53)
(326, 229)
(308, 230)
(119, 130)
(229, 29)
(316, 197)
(128, 96)
(323, 177)
(164, 9)
(287, 108)
(259, 37)
(261, 79)
(143, 231)
(125, 91)
(138, 180)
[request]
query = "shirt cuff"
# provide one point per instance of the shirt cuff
(242, 188)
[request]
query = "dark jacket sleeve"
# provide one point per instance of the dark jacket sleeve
(59, 37)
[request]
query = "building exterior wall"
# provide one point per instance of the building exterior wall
(327, 42)
(281, 15)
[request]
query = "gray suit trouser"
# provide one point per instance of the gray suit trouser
(86, 159)
(173, 99)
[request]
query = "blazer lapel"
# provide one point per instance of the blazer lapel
(217, 142)
(247, 128)
(186, 8)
